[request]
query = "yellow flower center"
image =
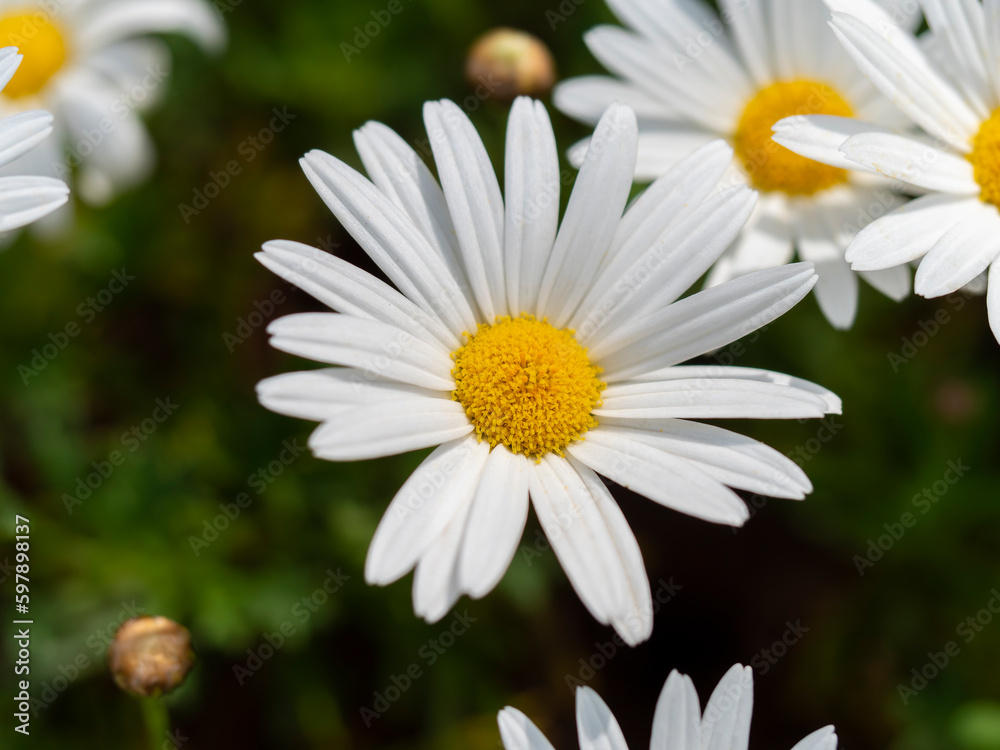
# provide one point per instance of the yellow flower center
(527, 385)
(772, 167)
(985, 158)
(41, 42)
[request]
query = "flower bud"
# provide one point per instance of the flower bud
(150, 656)
(509, 63)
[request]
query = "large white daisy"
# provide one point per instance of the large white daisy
(534, 355)
(678, 723)
(24, 199)
(93, 65)
(693, 77)
(949, 85)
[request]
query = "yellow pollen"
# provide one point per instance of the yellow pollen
(527, 385)
(42, 44)
(771, 167)
(985, 158)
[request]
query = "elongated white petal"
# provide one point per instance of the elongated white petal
(677, 721)
(27, 199)
(379, 349)
(591, 220)
(765, 242)
(964, 252)
(474, 201)
(726, 724)
(821, 739)
(21, 132)
(732, 459)
(320, 395)
(901, 72)
(748, 22)
(435, 583)
(10, 60)
(532, 184)
(586, 98)
(895, 283)
(903, 158)
(819, 137)
(390, 239)
(390, 428)
(596, 725)
(115, 20)
(660, 476)
(993, 298)
(909, 232)
(702, 322)
(426, 503)
(348, 289)
(496, 522)
(837, 286)
(709, 398)
(518, 733)
(962, 27)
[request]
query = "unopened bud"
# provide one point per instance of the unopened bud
(509, 63)
(150, 656)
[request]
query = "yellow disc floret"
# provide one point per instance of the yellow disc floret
(527, 385)
(41, 42)
(771, 167)
(985, 158)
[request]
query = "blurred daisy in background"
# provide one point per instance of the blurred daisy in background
(949, 85)
(535, 355)
(678, 723)
(91, 63)
(24, 199)
(693, 77)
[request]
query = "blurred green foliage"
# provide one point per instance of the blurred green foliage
(128, 546)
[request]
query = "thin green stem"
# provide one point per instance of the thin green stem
(157, 720)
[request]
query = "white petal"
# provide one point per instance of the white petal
(10, 60)
(732, 459)
(427, 502)
(726, 723)
(391, 239)
(895, 283)
(909, 232)
(592, 216)
(837, 287)
(964, 252)
(902, 73)
(821, 739)
(21, 132)
(379, 349)
(320, 395)
(904, 158)
(677, 721)
(819, 137)
(709, 398)
(115, 20)
(532, 184)
(703, 322)
(474, 201)
(660, 476)
(993, 298)
(496, 522)
(435, 582)
(960, 24)
(518, 733)
(586, 98)
(401, 174)
(765, 242)
(596, 725)
(663, 147)
(26, 199)
(748, 21)
(348, 289)
(390, 428)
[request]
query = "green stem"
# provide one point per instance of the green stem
(157, 720)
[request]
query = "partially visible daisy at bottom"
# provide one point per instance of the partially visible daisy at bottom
(535, 356)
(678, 723)
(24, 199)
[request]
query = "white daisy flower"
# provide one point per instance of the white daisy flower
(24, 199)
(92, 64)
(534, 355)
(949, 85)
(678, 723)
(692, 78)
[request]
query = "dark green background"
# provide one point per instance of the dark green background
(163, 338)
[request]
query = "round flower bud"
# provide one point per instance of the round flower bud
(150, 656)
(507, 63)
